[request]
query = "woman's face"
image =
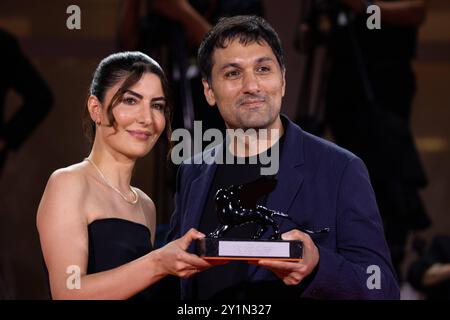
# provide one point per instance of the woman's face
(139, 117)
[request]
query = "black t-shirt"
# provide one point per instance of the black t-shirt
(228, 281)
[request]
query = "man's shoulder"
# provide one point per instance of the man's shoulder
(322, 156)
(312, 149)
(316, 146)
(331, 161)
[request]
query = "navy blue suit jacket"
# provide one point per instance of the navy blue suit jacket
(320, 185)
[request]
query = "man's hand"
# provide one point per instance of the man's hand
(292, 273)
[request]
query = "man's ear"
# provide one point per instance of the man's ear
(209, 94)
(95, 109)
(283, 75)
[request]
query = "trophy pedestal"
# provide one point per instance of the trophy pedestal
(242, 249)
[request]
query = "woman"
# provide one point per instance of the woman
(90, 220)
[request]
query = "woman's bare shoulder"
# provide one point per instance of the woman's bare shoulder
(64, 191)
(149, 211)
(74, 170)
(144, 197)
(71, 179)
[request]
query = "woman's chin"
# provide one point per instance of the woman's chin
(137, 153)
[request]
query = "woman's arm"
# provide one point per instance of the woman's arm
(128, 26)
(182, 11)
(64, 241)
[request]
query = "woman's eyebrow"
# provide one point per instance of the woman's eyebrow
(159, 99)
(137, 95)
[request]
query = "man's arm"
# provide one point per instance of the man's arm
(344, 273)
(398, 13)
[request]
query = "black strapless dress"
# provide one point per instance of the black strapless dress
(114, 242)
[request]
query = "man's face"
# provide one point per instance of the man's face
(247, 84)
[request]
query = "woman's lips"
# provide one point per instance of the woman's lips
(141, 135)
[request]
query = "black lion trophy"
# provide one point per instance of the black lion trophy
(235, 206)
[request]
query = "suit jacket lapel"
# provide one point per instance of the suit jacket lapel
(289, 177)
(199, 190)
(289, 184)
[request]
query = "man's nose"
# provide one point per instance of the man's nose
(250, 83)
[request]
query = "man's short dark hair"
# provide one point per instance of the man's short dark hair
(248, 29)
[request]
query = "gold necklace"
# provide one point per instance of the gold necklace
(136, 196)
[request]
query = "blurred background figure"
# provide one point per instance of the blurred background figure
(177, 28)
(18, 74)
(430, 274)
(362, 87)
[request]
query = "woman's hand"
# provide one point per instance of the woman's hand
(173, 258)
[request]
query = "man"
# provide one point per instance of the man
(319, 184)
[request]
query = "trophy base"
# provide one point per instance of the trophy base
(241, 249)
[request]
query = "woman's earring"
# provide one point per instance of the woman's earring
(98, 122)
